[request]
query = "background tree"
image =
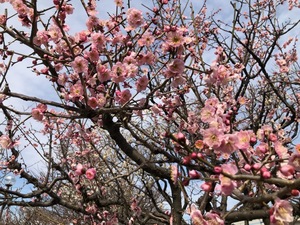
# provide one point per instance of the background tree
(157, 114)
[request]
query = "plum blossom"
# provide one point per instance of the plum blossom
(103, 73)
(294, 160)
(41, 37)
(80, 65)
(148, 58)
(119, 72)
(80, 169)
(206, 186)
(228, 145)
(142, 83)
(212, 137)
(207, 114)
(243, 137)
(38, 112)
(134, 18)
(146, 40)
(123, 96)
(175, 39)
(92, 102)
(176, 67)
(98, 40)
(194, 174)
(196, 216)
(90, 173)
(93, 55)
(5, 142)
(213, 219)
(76, 91)
(286, 171)
(91, 22)
(20, 7)
(281, 151)
(2, 19)
(54, 33)
(227, 185)
(119, 3)
(281, 212)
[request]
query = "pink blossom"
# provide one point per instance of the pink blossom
(243, 139)
(281, 213)
(262, 149)
(5, 142)
(38, 112)
(134, 18)
(176, 67)
(206, 186)
(175, 39)
(265, 173)
(79, 169)
(123, 96)
(212, 137)
(222, 74)
(80, 65)
(90, 173)
(146, 40)
(207, 114)
(142, 83)
(103, 73)
(69, 9)
(194, 174)
(54, 33)
(119, 72)
(294, 160)
(92, 22)
(213, 219)
(148, 58)
(178, 80)
(227, 185)
(93, 55)
(131, 69)
(212, 102)
(20, 7)
(286, 171)
(62, 79)
(228, 145)
(273, 137)
(76, 91)
(281, 151)
(196, 216)
(119, 3)
(92, 102)
(82, 36)
(98, 40)
(2, 19)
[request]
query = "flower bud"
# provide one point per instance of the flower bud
(206, 186)
(194, 155)
(194, 174)
(247, 167)
(217, 169)
(186, 160)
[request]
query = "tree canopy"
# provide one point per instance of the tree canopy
(158, 112)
